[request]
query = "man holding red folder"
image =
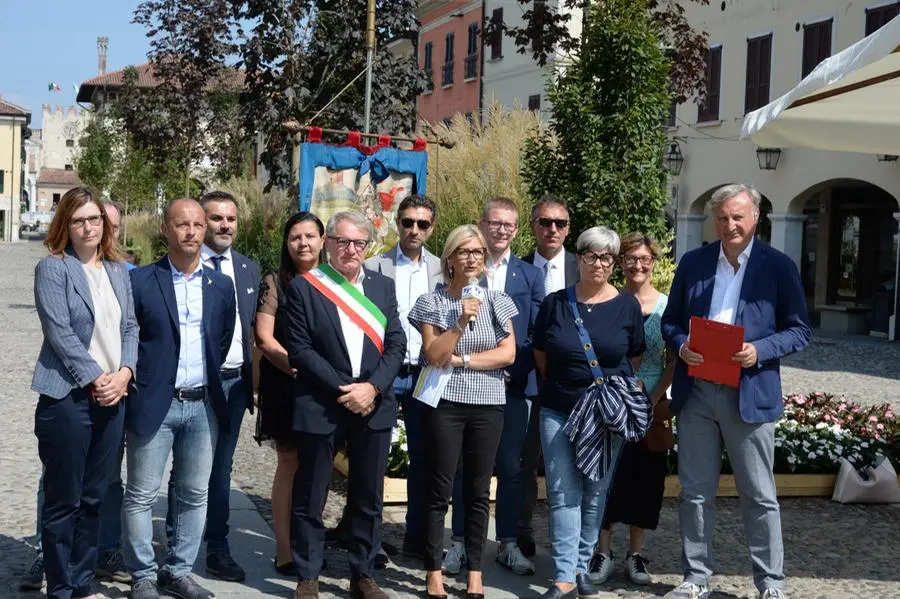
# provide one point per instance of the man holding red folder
(744, 282)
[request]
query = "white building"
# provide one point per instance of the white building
(62, 126)
(834, 213)
(32, 168)
(514, 79)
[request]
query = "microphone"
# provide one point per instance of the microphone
(473, 291)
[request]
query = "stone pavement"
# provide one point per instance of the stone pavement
(832, 551)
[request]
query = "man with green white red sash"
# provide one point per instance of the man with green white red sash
(346, 342)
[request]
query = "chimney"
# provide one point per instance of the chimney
(102, 47)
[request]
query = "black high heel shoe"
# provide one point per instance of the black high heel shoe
(474, 595)
(430, 596)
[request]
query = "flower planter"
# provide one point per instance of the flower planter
(788, 485)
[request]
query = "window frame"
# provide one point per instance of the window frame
(815, 23)
(709, 117)
(770, 35)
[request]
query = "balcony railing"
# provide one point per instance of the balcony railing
(447, 73)
(471, 66)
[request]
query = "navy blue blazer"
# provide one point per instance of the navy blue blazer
(316, 348)
(246, 284)
(772, 310)
(525, 285)
(159, 344)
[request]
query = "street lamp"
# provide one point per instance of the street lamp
(674, 159)
(887, 157)
(768, 158)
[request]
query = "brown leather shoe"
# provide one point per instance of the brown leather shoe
(307, 589)
(365, 588)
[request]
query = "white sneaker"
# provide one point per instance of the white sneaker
(636, 568)
(510, 556)
(601, 567)
(455, 559)
(688, 590)
(772, 593)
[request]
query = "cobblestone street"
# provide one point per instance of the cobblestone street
(832, 551)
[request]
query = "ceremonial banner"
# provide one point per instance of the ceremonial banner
(370, 179)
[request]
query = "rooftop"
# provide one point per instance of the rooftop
(58, 176)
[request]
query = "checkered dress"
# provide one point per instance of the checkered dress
(467, 386)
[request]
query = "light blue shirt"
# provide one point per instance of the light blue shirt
(192, 354)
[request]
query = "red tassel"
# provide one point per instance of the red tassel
(420, 144)
(314, 135)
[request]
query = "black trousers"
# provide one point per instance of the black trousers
(79, 444)
(367, 452)
(531, 461)
(449, 430)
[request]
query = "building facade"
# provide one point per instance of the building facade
(32, 169)
(61, 128)
(450, 51)
(512, 79)
(835, 214)
(13, 131)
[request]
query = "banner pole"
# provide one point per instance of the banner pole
(370, 59)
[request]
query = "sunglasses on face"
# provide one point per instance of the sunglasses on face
(590, 258)
(343, 243)
(561, 223)
(408, 223)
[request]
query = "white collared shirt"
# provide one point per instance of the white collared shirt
(354, 338)
(411, 282)
(727, 288)
(191, 371)
(554, 271)
(496, 272)
(235, 356)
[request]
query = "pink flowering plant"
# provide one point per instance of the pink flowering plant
(819, 429)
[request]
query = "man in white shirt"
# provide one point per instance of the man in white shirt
(221, 212)
(559, 267)
(345, 339)
(737, 280)
(415, 272)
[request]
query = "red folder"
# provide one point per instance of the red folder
(717, 342)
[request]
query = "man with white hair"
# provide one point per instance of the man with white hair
(742, 281)
(345, 339)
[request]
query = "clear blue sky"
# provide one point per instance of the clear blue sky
(56, 40)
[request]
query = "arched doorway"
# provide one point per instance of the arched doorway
(848, 262)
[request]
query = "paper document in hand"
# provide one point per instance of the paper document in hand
(430, 386)
(717, 342)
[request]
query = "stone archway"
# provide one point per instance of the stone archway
(847, 229)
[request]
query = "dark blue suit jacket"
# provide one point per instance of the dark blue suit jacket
(525, 285)
(246, 283)
(156, 310)
(316, 348)
(772, 310)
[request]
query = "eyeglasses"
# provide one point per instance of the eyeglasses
(590, 258)
(496, 225)
(408, 223)
(632, 260)
(344, 243)
(466, 253)
(94, 221)
(561, 223)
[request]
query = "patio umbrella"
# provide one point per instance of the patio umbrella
(850, 102)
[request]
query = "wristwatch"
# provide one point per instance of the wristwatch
(467, 359)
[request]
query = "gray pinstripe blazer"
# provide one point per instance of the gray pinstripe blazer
(64, 305)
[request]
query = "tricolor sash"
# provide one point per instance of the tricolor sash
(347, 298)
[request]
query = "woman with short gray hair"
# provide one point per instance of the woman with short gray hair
(615, 327)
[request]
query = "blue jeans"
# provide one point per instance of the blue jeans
(415, 476)
(509, 474)
(576, 503)
(110, 512)
(189, 431)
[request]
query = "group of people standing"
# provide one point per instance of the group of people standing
(343, 342)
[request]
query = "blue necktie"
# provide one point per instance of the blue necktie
(217, 262)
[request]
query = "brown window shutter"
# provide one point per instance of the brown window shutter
(765, 71)
(751, 84)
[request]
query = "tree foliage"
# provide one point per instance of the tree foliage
(299, 55)
(545, 32)
(603, 148)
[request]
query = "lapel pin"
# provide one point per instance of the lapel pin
(249, 290)
(244, 265)
(208, 281)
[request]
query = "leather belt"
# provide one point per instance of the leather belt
(230, 373)
(409, 369)
(192, 394)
